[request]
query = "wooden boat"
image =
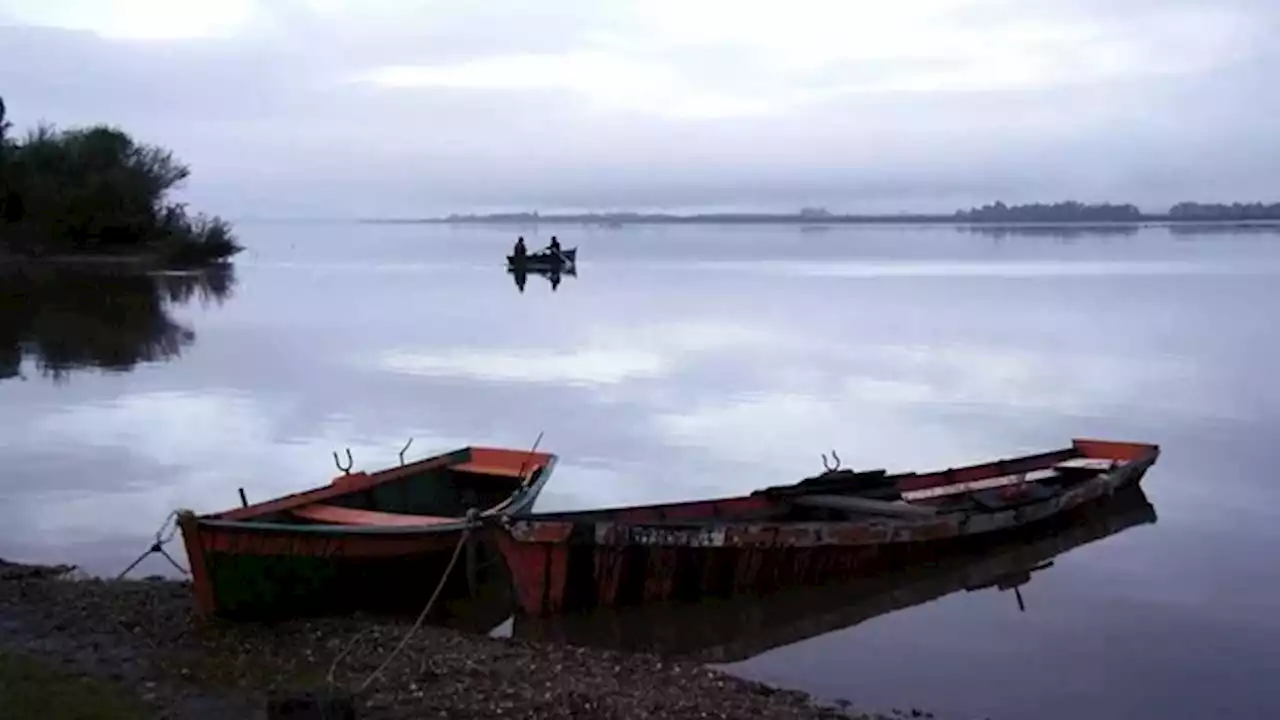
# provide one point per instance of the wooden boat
(836, 525)
(740, 627)
(546, 261)
(367, 541)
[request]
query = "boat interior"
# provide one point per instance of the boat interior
(436, 490)
(843, 495)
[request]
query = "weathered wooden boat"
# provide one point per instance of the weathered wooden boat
(545, 260)
(740, 627)
(376, 542)
(836, 525)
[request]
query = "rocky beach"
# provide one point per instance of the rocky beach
(133, 648)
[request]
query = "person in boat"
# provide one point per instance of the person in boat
(520, 252)
(554, 247)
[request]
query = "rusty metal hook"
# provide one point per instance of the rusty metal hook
(828, 466)
(345, 470)
(403, 449)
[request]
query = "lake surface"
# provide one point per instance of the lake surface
(684, 361)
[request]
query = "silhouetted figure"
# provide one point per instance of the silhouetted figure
(554, 247)
(520, 252)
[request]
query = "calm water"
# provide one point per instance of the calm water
(686, 361)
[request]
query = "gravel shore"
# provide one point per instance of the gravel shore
(141, 635)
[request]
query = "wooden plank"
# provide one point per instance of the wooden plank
(496, 470)
(1087, 463)
(336, 515)
(986, 484)
(853, 503)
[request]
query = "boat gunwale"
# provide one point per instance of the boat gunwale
(514, 504)
(886, 530)
(602, 515)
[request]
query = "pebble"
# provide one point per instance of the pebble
(144, 632)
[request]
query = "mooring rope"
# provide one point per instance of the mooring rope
(472, 521)
(162, 538)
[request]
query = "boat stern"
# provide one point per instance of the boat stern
(201, 583)
(531, 467)
(1116, 450)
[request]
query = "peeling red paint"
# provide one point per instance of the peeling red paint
(541, 531)
(654, 553)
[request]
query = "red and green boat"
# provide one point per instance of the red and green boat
(834, 526)
(375, 542)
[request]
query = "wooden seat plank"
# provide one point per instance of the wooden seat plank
(511, 471)
(337, 515)
(1087, 463)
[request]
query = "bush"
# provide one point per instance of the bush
(95, 191)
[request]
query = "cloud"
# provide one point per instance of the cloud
(197, 462)
(607, 357)
(344, 109)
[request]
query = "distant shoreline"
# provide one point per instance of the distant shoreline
(124, 262)
(792, 219)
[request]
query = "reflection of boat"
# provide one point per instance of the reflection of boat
(545, 260)
(736, 629)
(377, 541)
(553, 275)
(839, 524)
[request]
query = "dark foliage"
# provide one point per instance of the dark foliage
(1222, 211)
(1068, 211)
(95, 191)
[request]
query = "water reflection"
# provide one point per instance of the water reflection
(710, 360)
(1191, 231)
(520, 274)
(736, 629)
(1062, 233)
(65, 318)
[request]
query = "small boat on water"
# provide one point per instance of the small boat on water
(837, 525)
(374, 542)
(545, 260)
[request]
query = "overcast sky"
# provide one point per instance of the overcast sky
(342, 108)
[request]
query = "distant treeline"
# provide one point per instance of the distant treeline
(1220, 211)
(1061, 212)
(96, 192)
(1071, 211)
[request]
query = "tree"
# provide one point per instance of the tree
(95, 190)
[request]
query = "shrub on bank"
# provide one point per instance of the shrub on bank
(96, 192)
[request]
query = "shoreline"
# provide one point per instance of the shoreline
(140, 637)
(750, 219)
(130, 263)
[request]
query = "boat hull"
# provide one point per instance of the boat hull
(545, 262)
(254, 574)
(738, 628)
(245, 567)
(562, 565)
